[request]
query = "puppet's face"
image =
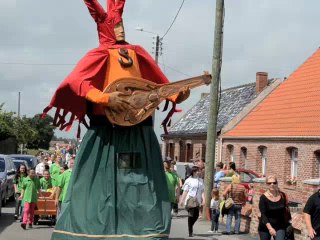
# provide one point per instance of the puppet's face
(119, 32)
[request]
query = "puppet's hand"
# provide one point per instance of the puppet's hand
(182, 96)
(117, 103)
(98, 97)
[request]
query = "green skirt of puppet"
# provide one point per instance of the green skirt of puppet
(118, 189)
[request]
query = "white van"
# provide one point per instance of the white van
(181, 168)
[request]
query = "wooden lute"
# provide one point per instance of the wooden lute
(145, 96)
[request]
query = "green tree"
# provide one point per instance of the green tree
(44, 129)
(6, 123)
(24, 132)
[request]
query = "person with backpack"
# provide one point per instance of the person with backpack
(236, 195)
(192, 197)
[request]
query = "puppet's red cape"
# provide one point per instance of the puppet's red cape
(90, 72)
(69, 98)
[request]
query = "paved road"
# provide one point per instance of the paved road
(11, 230)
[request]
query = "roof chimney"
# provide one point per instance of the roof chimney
(203, 95)
(261, 81)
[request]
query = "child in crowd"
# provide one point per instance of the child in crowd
(215, 210)
(21, 174)
(29, 195)
(45, 182)
(250, 194)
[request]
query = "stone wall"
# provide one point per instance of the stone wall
(250, 223)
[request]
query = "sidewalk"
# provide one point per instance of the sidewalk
(179, 230)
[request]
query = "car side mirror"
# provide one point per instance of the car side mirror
(11, 171)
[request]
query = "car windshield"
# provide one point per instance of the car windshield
(245, 177)
(28, 159)
(17, 164)
(2, 165)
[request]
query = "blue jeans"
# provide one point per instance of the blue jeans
(266, 235)
(235, 211)
(215, 213)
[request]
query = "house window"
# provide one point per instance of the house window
(243, 158)
(317, 162)
(189, 152)
(264, 160)
(294, 163)
(231, 153)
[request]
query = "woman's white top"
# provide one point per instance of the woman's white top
(194, 187)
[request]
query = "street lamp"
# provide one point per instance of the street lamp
(158, 42)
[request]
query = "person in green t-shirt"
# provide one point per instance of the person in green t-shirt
(231, 169)
(55, 172)
(63, 186)
(46, 181)
(173, 183)
(17, 181)
(29, 194)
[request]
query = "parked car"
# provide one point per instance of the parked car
(18, 162)
(0, 200)
(7, 174)
(32, 160)
(247, 177)
(183, 169)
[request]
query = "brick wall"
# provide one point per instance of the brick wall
(185, 148)
(278, 161)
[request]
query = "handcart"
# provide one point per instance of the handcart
(46, 210)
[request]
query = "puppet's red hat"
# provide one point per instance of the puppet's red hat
(115, 10)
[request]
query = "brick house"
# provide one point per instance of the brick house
(186, 139)
(281, 136)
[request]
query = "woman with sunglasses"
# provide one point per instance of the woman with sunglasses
(272, 205)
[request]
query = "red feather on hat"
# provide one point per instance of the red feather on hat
(115, 10)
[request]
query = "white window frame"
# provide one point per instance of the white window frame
(244, 153)
(317, 156)
(294, 163)
(264, 160)
(232, 154)
(318, 167)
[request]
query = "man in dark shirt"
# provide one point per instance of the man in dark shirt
(312, 216)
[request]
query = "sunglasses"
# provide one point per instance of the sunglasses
(274, 183)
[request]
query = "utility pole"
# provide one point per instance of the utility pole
(156, 58)
(157, 49)
(19, 99)
(214, 101)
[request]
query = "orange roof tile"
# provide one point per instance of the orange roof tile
(292, 109)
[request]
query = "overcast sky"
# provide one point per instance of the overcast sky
(266, 35)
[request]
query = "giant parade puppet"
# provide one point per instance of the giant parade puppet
(118, 189)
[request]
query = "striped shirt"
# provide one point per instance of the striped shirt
(238, 194)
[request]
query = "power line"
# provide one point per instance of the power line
(173, 69)
(71, 64)
(174, 19)
(36, 64)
